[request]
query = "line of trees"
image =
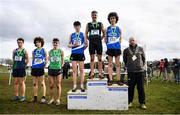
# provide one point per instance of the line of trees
(6, 62)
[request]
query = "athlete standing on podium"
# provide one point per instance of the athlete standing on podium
(78, 45)
(113, 42)
(93, 34)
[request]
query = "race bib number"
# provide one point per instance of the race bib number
(55, 59)
(77, 42)
(112, 39)
(38, 61)
(18, 58)
(94, 32)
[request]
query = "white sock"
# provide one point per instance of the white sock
(74, 87)
(82, 86)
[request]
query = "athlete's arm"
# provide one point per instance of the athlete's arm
(125, 56)
(86, 32)
(46, 57)
(13, 54)
(120, 36)
(26, 57)
(32, 55)
(49, 55)
(70, 45)
(143, 57)
(105, 37)
(85, 43)
(62, 58)
(103, 31)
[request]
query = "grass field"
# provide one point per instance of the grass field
(161, 97)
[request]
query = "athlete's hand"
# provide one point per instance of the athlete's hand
(75, 45)
(70, 45)
(85, 46)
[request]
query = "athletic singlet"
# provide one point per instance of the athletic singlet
(19, 59)
(77, 38)
(113, 37)
(39, 58)
(55, 59)
(94, 30)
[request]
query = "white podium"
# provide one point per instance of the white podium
(99, 96)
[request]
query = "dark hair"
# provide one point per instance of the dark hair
(77, 23)
(55, 40)
(113, 14)
(94, 11)
(165, 59)
(175, 60)
(39, 39)
(20, 39)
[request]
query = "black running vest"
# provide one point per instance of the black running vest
(94, 31)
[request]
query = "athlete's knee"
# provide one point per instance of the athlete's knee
(51, 86)
(58, 86)
(81, 70)
(16, 83)
(99, 59)
(92, 59)
(35, 84)
(42, 84)
(110, 65)
(117, 65)
(22, 83)
(75, 71)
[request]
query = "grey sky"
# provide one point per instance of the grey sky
(155, 23)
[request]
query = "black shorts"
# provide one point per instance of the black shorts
(113, 52)
(54, 72)
(37, 72)
(95, 48)
(19, 73)
(77, 57)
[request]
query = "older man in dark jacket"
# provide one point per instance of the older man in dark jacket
(134, 59)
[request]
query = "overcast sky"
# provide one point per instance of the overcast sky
(154, 23)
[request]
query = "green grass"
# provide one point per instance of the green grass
(161, 97)
(3, 69)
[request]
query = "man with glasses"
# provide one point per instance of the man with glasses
(93, 34)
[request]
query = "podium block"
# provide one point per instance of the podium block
(99, 96)
(77, 100)
(96, 89)
(117, 97)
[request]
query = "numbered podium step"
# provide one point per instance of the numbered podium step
(99, 96)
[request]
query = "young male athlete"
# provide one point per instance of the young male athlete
(39, 61)
(20, 61)
(78, 45)
(93, 34)
(56, 57)
(113, 43)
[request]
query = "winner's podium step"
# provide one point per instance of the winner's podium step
(99, 96)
